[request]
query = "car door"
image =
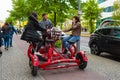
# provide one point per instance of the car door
(115, 41)
(105, 39)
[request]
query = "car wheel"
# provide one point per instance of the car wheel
(95, 49)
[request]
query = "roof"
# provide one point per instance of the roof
(109, 28)
(108, 21)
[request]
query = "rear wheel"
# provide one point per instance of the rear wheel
(95, 49)
(83, 64)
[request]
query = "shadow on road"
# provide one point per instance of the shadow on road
(112, 57)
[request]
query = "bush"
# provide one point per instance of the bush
(58, 44)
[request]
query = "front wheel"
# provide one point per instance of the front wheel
(83, 64)
(34, 69)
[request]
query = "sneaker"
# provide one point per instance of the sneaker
(11, 45)
(65, 51)
(7, 49)
(0, 52)
(39, 54)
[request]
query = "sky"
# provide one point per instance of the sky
(4, 6)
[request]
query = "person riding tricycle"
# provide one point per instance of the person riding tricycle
(44, 46)
(75, 36)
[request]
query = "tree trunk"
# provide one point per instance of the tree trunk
(55, 15)
(19, 23)
(61, 26)
(55, 19)
(91, 26)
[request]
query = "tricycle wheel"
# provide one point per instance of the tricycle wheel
(83, 64)
(34, 70)
(30, 63)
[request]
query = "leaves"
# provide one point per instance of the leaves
(116, 13)
(58, 10)
(91, 12)
(22, 8)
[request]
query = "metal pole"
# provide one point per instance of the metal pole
(79, 12)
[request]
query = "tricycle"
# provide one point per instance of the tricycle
(52, 58)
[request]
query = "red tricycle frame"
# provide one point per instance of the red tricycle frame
(52, 56)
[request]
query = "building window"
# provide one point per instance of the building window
(108, 9)
(101, 1)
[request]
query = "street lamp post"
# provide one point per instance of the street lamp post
(79, 12)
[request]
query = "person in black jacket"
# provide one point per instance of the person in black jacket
(6, 35)
(31, 32)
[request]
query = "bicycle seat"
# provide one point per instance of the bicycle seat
(72, 42)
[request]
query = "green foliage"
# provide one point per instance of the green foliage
(58, 10)
(9, 19)
(58, 44)
(91, 12)
(116, 13)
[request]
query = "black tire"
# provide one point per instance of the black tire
(83, 64)
(95, 49)
(30, 63)
(34, 71)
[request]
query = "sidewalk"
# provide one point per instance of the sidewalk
(85, 34)
(14, 64)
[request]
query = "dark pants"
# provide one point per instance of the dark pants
(6, 40)
(39, 46)
(10, 40)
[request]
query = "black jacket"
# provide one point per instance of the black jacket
(33, 24)
(6, 30)
(30, 33)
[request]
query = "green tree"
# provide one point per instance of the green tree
(9, 19)
(91, 12)
(58, 10)
(116, 13)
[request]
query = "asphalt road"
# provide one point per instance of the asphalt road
(84, 44)
(14, 66)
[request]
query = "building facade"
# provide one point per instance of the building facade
(107, 6)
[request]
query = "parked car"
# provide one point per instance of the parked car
(105, 40)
